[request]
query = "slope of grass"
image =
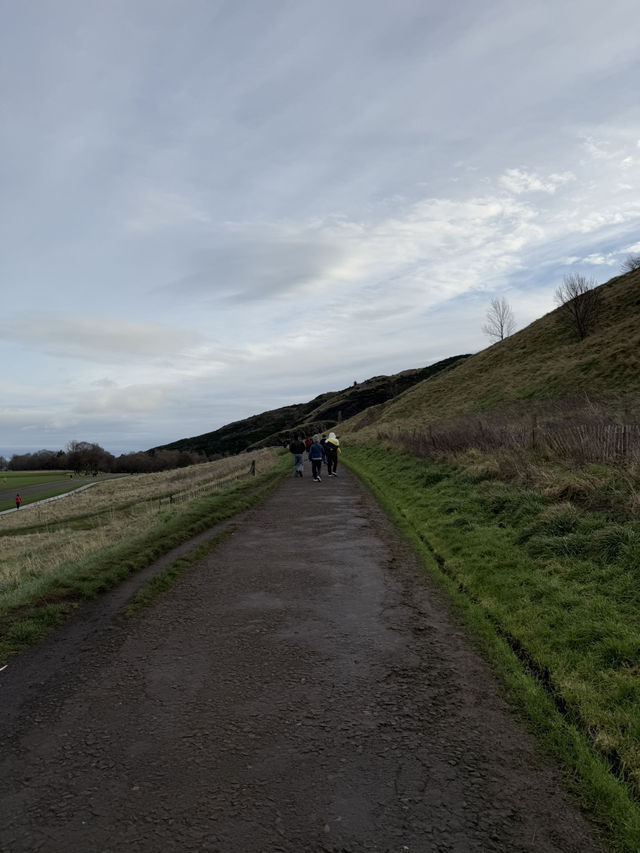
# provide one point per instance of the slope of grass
(274, 427)
(554, 591)
(541, 362)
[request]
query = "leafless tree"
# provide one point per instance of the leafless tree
(86, 457)
(500, 320)
(630, 263)
(579, 301)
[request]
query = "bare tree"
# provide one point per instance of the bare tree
(86, 457)
(579, 301)
(630, 263)
(500, 320)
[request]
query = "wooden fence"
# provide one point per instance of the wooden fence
(582, 442)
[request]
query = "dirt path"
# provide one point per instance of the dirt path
(303, 689)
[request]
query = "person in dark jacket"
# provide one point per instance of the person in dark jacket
(332, 449)
(315, 457)
(297, 447)
(323, 441)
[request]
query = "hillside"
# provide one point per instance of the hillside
(277, 425)
(539, 364)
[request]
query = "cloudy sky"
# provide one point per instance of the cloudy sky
(210, 208)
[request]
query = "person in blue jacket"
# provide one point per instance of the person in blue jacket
(315, 457)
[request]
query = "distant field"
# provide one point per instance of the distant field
(19, 479)
(38, 485)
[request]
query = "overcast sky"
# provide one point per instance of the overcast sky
(210, 208)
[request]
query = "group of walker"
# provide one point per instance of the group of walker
(319, 450)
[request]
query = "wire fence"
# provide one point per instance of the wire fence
(206, 487)
(585, 442)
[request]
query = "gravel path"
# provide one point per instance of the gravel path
(302, 689)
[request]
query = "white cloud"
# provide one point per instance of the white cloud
(156, 210)
(599, 259)
(94, 337)
(208, 213)
(520, 181)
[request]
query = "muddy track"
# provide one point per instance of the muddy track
(301, 689)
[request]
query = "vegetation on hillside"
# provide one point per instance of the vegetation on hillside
(543, 363)
(277, 426)
(518, 476)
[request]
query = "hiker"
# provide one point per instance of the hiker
(315, 457)
(331, 449)
(323, 441)
(297, 447)
(18, 500)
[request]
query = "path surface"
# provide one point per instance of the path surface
(302, 689)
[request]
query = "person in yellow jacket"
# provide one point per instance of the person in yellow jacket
(332, 449)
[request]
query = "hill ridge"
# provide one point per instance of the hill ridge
(276, 426)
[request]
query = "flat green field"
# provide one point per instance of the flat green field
(37, 485)
(19, 479)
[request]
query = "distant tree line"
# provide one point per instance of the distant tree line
(84, 457)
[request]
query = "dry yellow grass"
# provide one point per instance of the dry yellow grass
(68, 529)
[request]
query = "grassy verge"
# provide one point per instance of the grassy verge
(552, 592)
(29, 610)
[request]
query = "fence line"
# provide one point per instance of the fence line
(206, 487)
(583, 442)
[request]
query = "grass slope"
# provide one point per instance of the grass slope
(542, 362)
(276, 426)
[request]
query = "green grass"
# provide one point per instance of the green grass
(542, 362)
(20, 479)
(40, 603)
(553, 592)
(16, 481)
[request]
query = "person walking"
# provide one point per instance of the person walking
(297, 447)
(315, 457)
(332, 449)
(323, 441)
(18, 500)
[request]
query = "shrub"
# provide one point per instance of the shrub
(613, 540)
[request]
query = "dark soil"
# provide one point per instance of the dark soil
(302, 689)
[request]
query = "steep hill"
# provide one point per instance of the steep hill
(541, 363)
(277, 425)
